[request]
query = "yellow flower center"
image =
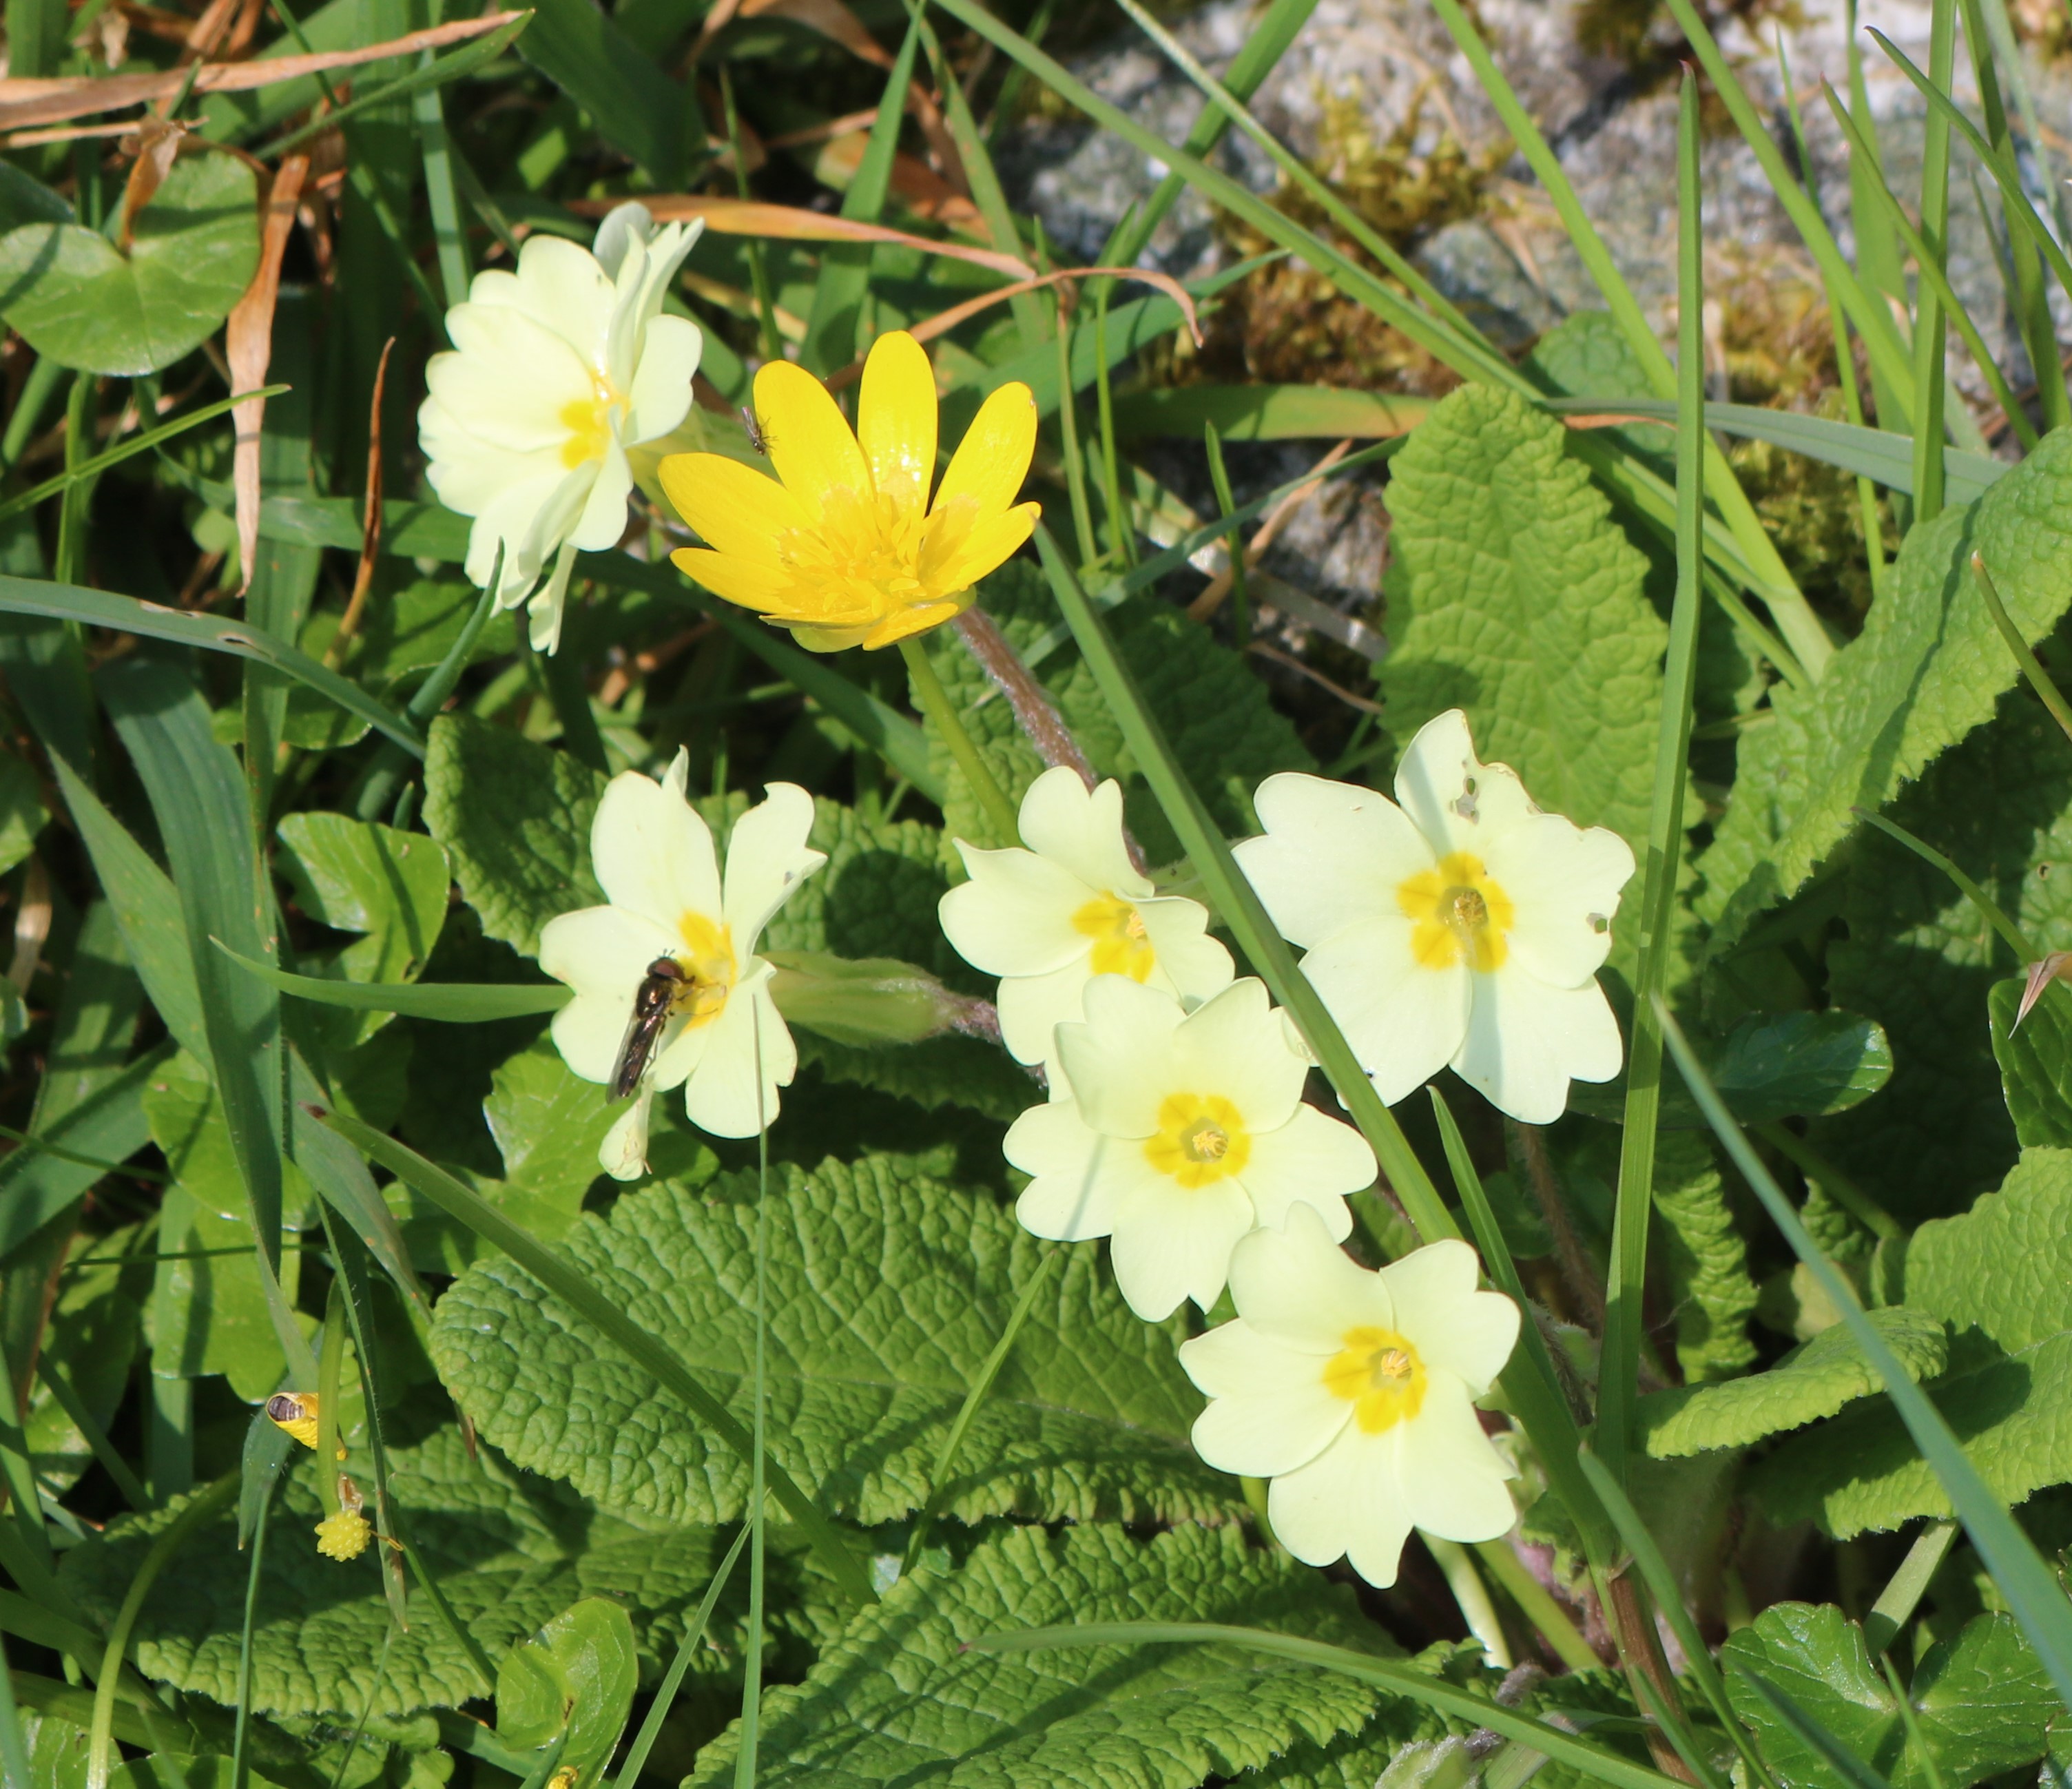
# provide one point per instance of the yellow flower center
(709, 970)
(1120, 945)
(588, 421)
(1379, 1374)
(1461, 914)
(1201, 1138)
(863, 559)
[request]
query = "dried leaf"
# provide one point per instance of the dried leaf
(2041, 975)
(250, 343)
(25, 102)
(794, 223)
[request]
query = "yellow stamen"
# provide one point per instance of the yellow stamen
(1379, 1374)
(1120, 945)
(1201, 1138)
(1460, 913)
(710, 969)
(588, 421)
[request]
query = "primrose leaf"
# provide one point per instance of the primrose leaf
(1707, 1260)
(1918, 957)
(79, 300)
(1927, 668)
(510, 1553)
(1221, 723)
(1982, 1701)
(884, 1288)
(1513, 595)
(1771, 1066)
(576, 1676)
(899, 1698)
(2001, 1278)
(1815, 1379)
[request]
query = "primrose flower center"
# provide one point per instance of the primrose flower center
(709, 970)
(1460, 914)
(1121, 946)
(1380, 1374)
(589, 423)
(1201, 1138)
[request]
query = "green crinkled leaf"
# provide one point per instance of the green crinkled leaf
(510, 1552)
(1222, 725)
(79, 300)
(2001, 1278)
(2035, 1064)
(1919, 958)
(516, 818)
(898, 1699)
(1707, 1259)
(885, 1287)
(1927, 669)
(1982, 1701)
(1514, 594)
(1815, 1379)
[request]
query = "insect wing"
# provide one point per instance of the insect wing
(643, 1031)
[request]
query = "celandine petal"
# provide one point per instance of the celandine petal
(992, 459)
(904, 621)
(809, 440)
(954, 560)
(738, 510)
(895, 421)
(762, 588)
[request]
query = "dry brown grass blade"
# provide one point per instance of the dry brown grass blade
(370, 534)
(2041, 976)
(793, 223)
(944, 321)
(921, 190)
(250, 342)
(26, 102)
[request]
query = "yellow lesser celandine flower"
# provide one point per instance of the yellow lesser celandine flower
(1456, 926)
(1049, 919)
(1173, 1133)
(848, 550)
(1354, 1392)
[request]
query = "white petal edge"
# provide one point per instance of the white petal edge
(1527, 1041)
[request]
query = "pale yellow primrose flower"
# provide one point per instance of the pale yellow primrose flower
(1354, 1392)
(1455, 926)
(1175, 1133)
(654, 857)
(1048, 919)
(847, 550)
(556, 370)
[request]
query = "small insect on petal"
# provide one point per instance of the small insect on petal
(2041, 975)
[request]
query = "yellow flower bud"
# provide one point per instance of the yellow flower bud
(344, 1535)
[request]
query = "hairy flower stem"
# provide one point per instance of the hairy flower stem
(1640, 1649)
(935, 703)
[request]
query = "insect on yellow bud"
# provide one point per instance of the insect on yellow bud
(295, 1411)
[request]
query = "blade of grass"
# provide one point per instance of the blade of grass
(1873, 322)
(2039, 679)
(126, 1480)
(1121, 530)
(456, 1003)
(1231, 898)
(1233, 542)
(982, 1387)
(431, 73)
(1930, 334)
(2026, 1582)
(1984, 29)
(1931, 268)
(1619, 1379)
(749, 1728)
(126, 615)
(239, 1765)
(1879, 263)
(197, 793)
(1593, 1762)
(1668, 1597)
(1990, 910)
(576, 1290)
(100, 1737)
(2009, 179)
(672, 1680)
(13, 1754)
(1537, 1604)
(441, 201)
(832, 330)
